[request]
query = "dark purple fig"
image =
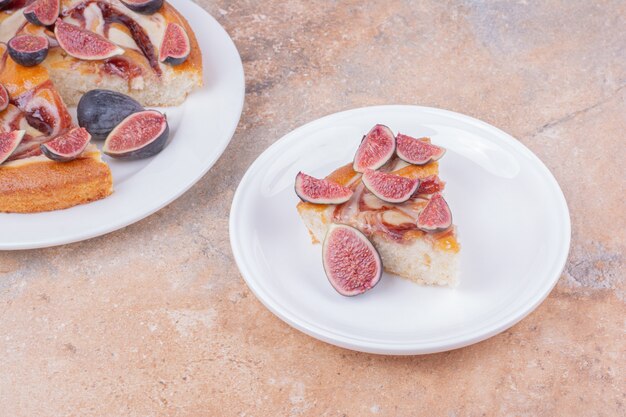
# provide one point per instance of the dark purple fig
(175, 47)
(376, 148)
(417, 151)
(352, 264)
(5, 4)
(28, 50)
(317, 191)
(4, 98)
(9, 142)
(436, 216)
(68, 146)
(140, 135)
(100, 111)
(143, 6)
(389, 187)
(43, 12)
(83, 44)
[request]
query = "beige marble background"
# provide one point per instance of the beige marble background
(155, 320)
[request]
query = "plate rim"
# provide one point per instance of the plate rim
(142, 214)
(414, 347)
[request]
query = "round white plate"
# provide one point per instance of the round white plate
(201, 129)
(512, 219)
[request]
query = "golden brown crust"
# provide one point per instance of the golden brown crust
(47, 185)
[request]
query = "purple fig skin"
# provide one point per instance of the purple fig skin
(350, 245)
(9, 142)
(371, 145)
(28, 50)
(43, 12)
(174, 33)
(4, 98)
(404, 187)
(143, 6)
(308, 189)
(100, 111)
(436, 216)
(5, 4)
(151, 146)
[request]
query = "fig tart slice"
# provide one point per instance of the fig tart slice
(401, 209)
(29, 181)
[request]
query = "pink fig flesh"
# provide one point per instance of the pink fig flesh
(68, 146)
(43, 12)
(84, 44)
(175, 47)
(375, 150)
(436, 216)
(9, 142)
(430, 185)
(390, 187)
(4, 98)
(417, 151)
(318, 191)
(352, 264)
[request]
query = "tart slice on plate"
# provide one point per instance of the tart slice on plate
(52, 52)
(30, 181)
(398, 205)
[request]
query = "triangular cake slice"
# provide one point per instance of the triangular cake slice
(30, 182)
(423, 257)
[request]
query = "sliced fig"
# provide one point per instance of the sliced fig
(9, 142)
(83, 44)
(376, 148)
(4, 98)
(318, 191)
(417, 151)
(43, 12)
(28, 50)
(140, 135)
(430, 185)
(390, 187)
(143, 6)
(352, 264)
(436, 216)
(67, 146)
(100, 111)
(175, 47)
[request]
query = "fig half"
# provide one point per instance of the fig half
(9, 142)
(417, 151)
(143, 6)
(352, 264)
(43, 12)
(68, 146)
(390, 187)
(436, 216)
(175, 47)
(100, 111)
(313, 190)
(83, 44)
(376, 148)
(4, 98)
(28, 50)
(140, 135)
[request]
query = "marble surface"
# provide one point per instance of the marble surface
(155, 320)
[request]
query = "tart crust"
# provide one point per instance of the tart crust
(37, 184)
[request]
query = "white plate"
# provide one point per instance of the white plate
(200, 131)
(512, 218)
